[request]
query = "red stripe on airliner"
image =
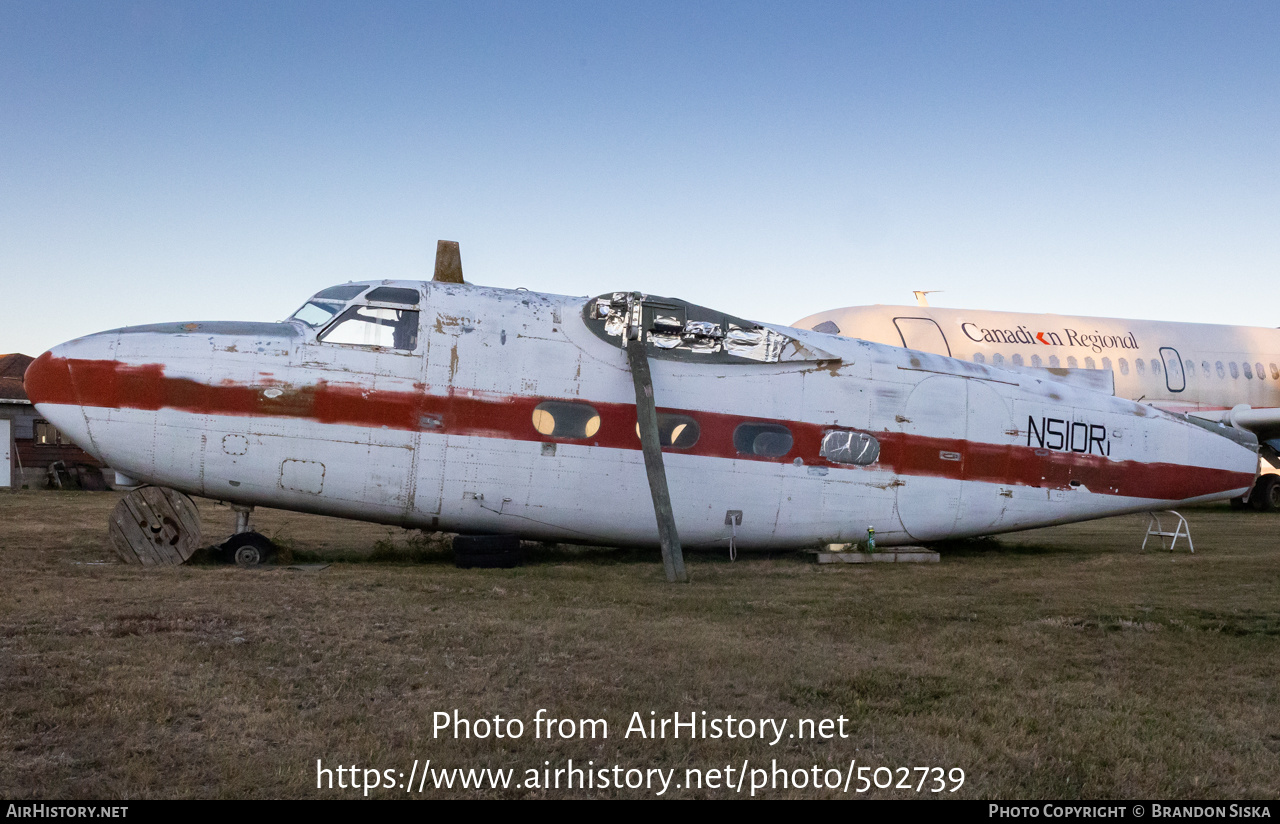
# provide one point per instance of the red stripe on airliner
(110, 384)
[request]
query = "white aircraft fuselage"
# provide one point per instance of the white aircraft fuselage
(477, 410)
(1202, 369)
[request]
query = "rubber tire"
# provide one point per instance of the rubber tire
(1266, 494)
(248, 549)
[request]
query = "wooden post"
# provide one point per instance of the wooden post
(651, 444)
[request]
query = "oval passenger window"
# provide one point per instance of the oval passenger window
(560, 419)
(765, 440)
(678, 431)
(846, 447)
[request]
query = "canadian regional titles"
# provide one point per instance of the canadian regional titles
(638, 725)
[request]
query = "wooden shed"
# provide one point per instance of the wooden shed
(33, 453)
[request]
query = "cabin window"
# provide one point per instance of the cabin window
(1072, 363)
(324, 305)
(1191, 368)
(766, 440)
(678, 431)
(1053, 361)
(1124, 366)
(561, 419)
(317, 314)
(1106, 364)
(372, 326)
(1089, 364)
(843, 446)
(1275, 373)
(393, 294)
(978, 357)
(1141, 365)
(1248, 371)
(1222, 373)
(341, 293)
(1036, 362)
(997, 359)
(1235, 370)
(827, 328)
(1155, 367)
(1017, 360)
(1262, 373)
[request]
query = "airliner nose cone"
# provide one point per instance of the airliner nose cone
(48, 380)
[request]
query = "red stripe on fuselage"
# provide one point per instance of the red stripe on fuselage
(109, 384)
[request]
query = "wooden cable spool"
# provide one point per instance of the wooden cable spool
(154, 526)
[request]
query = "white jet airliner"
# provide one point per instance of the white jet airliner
(1226, 374)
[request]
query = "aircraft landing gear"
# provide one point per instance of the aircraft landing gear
(1265, 496)
(246, 548)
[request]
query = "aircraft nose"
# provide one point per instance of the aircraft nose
(48, 380)
(56, 383)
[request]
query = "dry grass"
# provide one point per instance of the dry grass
(1061, 663)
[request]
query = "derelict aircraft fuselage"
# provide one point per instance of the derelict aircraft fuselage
(449, 406)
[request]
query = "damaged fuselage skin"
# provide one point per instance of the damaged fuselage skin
(448, 406)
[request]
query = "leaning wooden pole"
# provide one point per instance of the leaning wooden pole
(651, 445)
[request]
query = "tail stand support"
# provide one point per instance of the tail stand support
(1156, 528)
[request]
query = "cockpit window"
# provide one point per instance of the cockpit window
(392, 294)
(316, 314)
(374, 326)
(325, 304)
(342, 293)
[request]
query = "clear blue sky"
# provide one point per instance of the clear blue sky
(187, 161)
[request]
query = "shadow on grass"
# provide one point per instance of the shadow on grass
(536, 553)
(988, 545)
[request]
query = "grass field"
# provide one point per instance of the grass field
(1059, 663)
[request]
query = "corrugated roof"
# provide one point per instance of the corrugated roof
(12, 367)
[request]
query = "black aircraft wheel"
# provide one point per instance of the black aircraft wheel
(248, 549)
(1266, 494)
